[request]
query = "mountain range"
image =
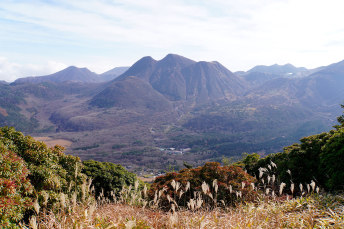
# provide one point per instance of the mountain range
(135, 115)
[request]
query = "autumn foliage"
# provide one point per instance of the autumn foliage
(217, 185)
(14, 188)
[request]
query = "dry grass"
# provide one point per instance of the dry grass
(52, 142)
(315, 211)
(132, 209)
(298, 213)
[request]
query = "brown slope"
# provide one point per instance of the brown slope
(131, 92)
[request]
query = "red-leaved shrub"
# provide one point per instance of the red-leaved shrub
(222, 186)
(14, 188)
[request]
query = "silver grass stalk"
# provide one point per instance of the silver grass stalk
(223, 202)
(83, 190)
(160, 192)
(36, 206)
(62, 200)
(210, 195)
(89, 184)
(173, 184)
(177, 186)
(260, 172)
(230, 189)
(252, 184)
(173, 207)
(242, 185)
(273, 178)
(33, 222)
(199, 202)
(301, 187)
(214, 183)
(169, 198)
(289, 172)
(45, 198)
(292, 186)
(267, 190)
(91, 210)
(191, 204)
(216, 187)
(281, 188)
(187, 187)
(155, 196)
(308, 188)
(181, 193)
(313, 185)
(145, 191)
(205, 187)
(273, 164)
(136, 185)
(74, 196)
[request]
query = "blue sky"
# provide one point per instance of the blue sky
(41, 37)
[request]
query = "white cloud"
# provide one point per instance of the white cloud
(239, 34)
(9, 71)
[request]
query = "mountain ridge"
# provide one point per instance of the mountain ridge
(177, 103)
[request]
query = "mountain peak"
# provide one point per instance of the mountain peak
(174, 59)
(70, 73)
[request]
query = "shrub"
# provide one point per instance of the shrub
(51, 172)
(332, 160)
(108, 177)
(318, 157)
(212, 183)
(14, 188)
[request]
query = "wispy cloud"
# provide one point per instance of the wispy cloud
(9, 71)
(239, 34)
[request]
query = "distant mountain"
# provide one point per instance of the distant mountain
(286, 69)
(181, 79)
(3, 82)
(71, 73)
(324, 87)
(113, 73)
(261, 74)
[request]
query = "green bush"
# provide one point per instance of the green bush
(51, 172)
(318, 157)
(108, 177)
(228, 179)
(332, 160)
(14, 188)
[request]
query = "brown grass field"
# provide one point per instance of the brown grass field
(52, 142)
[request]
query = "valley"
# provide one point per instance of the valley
(128, 117)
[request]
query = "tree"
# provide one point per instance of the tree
(341, 118)
(108, 177)
(332, 160)
(51, 172)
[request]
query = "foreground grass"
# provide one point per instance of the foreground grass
(315, 211)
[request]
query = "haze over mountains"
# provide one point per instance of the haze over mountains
(132, 115)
